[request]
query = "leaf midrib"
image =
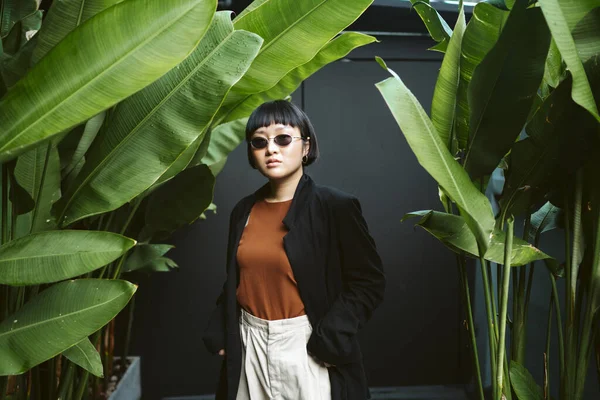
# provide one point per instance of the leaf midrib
(93, 80)
(6, 260)
(50, 320)
(153, 111)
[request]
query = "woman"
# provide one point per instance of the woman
(303, 275)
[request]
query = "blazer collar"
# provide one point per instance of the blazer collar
(301, 195)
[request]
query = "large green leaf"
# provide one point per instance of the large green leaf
(86, 356)
(503, 88)
(223, 140)
(481, 34)
(523, 383)
(58, 318)
(553, 150)
(252, 6)
(149, 256)
(38, 171)
(179, 202)
(64, 16)
(92, 127)
(586, 35)
(435, 157)
(443, 106)
(52, 256)
(114, 54)
(13, 11)
(296, 29)
(435, 24)
(562, 17)
(453, 232)
(148, 132)
(543, 220)
(554, 67)
(332, 51)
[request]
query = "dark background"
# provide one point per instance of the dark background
(417, 336)
(413, 338)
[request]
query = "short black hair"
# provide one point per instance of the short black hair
(286, 113)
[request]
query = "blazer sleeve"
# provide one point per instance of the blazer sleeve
(334, 338)
(215, 333)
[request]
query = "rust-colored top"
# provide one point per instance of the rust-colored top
(267, 288)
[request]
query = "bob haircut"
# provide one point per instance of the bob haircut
(286, 113)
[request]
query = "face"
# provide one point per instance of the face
(275, 161)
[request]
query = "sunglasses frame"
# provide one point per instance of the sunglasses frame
(274, 139)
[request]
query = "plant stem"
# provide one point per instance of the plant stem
(3, 386)
(569, 323)
(130, 326)
(66, 380)
(5, 200)
(561, 343)
(490, 316)
(587, 332)
(547, 352)
(41, 187)
(136, 204)
(504, 309)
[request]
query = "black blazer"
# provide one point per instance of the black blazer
(340, 280)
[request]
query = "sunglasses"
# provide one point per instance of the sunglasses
(280, 140)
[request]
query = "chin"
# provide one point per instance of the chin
(277, 173)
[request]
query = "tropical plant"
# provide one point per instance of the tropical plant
(115, 118)
(517, 96)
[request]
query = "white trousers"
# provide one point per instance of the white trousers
(275, 363)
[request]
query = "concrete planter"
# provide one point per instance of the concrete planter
(130, 385)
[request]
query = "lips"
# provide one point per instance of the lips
(273, 162)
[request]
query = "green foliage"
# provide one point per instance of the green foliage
(115, 118)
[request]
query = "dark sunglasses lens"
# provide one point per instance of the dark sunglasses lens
(283, 140)
(258, 143)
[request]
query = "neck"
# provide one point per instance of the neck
(284, 189)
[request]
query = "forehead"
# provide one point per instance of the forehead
(275, 128)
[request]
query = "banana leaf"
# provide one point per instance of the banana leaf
(86, 356)
(562, 17)
(553, 151)
(37, 170)
(148, 132)
(454, 233)
(63, 17)
(586, 35)
(436, 25)
(503, 88)
(479, 38)
(334, 50)
(443, 105)
(297, 29)
(179, 202)
(144, 38)
(19, 35)
(435, 157)
(14, 11)
(20, 199)
(92, 127)
(58, 318)
(53, 256)
(554, 67)
(149, 256)
(252, 6)
(523, 383)
(547, 218)
(223, 140)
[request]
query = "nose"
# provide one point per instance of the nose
(272, 147)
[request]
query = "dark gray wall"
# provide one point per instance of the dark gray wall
(414, 336)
